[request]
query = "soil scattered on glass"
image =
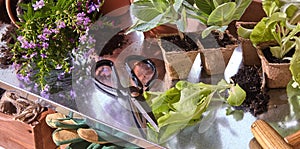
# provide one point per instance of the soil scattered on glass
(257, 100)
(175, 43)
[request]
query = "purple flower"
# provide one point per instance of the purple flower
(45, 94)
(43, 55)
(91, 40)
(27, 79)
(58, 66)
(25, 56)
(45, 45)
(31, 45)
(72, 94)
(61, 76)
(33, 54)
(92, 7)
(55, 31)
(82, 14)
(86, 21)
(87, 54)
(20, 77)
(61, 24)
(43, 37)
(16, 66)
(82, 39)
(38, 5)
(61, 95)
(21, 38)
(46, 31)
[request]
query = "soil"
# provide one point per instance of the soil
(224, 39)
(116, 42)
(267, 53)
(186, 44)
(257, 100)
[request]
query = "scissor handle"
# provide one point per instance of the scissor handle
(130, 70)
(104, 87)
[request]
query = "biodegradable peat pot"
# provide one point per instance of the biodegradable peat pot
(16, 134)
(178, 60)
(277, 75)
(250, 56)
(214, 56)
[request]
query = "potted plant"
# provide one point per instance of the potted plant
(216, 41)
(274, 37)
(178, 61)
(50, 32)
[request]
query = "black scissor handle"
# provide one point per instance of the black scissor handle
(130, 69)
(104, 87)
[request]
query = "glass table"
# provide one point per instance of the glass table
(215, 131)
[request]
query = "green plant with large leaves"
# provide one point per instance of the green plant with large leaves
(279, 26)
(184, 104)
(216, 14)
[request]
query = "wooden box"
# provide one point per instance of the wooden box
(19, 135)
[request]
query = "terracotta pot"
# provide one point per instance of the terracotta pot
(115, 7)
(250, 56)
(277, 75)
(178, 63)
(11, 11)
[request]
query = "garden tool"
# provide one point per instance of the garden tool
(266, 137)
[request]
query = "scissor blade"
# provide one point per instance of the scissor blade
(146, 111)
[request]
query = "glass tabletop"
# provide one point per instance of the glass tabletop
(216, 130)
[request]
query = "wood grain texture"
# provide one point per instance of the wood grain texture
(18, 135)
(293, 139)
(267, 137)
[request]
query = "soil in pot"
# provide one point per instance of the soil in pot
(277, 71)
(257, 100)
(178, 44)
(179, 53)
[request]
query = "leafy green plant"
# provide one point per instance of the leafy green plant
(279, 26)
(50, 33)
(184, 104)
(295, 65)
(215, 14)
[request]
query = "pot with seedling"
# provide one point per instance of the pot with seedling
(179, 50)
(274, 36)
(216, 41)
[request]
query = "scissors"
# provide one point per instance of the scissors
(133, 93)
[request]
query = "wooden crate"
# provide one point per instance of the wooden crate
(19, 135)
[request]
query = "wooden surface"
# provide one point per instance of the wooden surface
(19, 135)
(267, 137)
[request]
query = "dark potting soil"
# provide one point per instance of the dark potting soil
(256, 101)
(175, 43)
(267, 53)
(224, 39)
(117, 41)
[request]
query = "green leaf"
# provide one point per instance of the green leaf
(222, 15)
(241, 6)
(145, 12)
(182, 22)
(244, 32)
(295, 62)
(261, 33)
(269, 6)
(236, 96)
(177, 5)
(208, 30)
(205, 6)
(237, 114)
(276, 51)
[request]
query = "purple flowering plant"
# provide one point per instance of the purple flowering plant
(49, 36)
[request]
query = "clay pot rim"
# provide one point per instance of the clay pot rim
(10, 14)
